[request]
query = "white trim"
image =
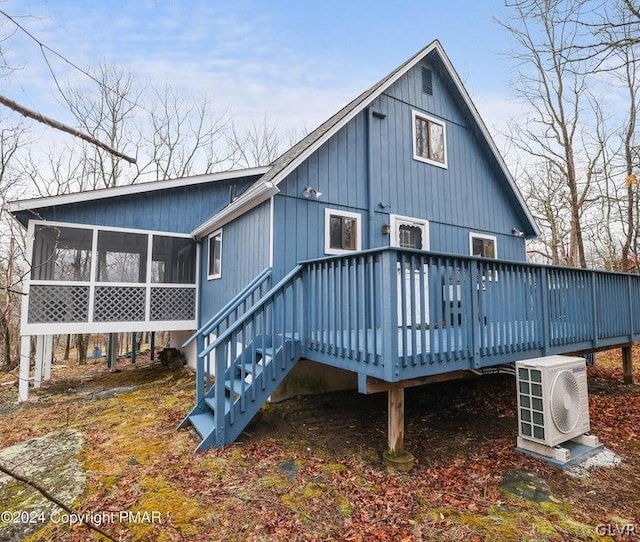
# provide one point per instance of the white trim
(327, 234)
(62, 328)
(253, 197)
(55, 224)
(414, 114)
(26, 281)
(212, 276)
(148, 276)
(395, 221)
(473, 235)
(271, 228)
(198, 275)
(365, 100)
(103, 193)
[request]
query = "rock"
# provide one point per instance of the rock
(527, 485)
(51, 462)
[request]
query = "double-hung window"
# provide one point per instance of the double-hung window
(429, 140)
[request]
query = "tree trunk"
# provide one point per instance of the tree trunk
(82, 342)
(67, 346)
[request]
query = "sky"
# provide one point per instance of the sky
(294, 63)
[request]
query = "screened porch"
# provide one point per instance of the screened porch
(91, 279)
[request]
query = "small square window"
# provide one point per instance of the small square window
(483, 246)
(429, 140)
(214, 264)
(342, 231)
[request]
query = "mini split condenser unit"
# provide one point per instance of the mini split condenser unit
(553, 400)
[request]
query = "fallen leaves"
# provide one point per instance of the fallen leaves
(311, 470)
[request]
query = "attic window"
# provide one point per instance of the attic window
(429, 140)
(427, 80)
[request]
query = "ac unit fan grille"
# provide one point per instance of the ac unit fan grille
(565, 402)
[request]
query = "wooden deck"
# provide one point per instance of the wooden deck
(399, 316)
(434, 313)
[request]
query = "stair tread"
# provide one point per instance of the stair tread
(265, 350)
(248, 368)
(235, 384)
(203, 423)
(211, 403)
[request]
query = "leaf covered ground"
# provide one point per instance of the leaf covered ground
(310, 468)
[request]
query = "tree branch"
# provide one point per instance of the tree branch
(62, 127)
(53, 499)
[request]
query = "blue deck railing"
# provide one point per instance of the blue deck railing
(397, 314)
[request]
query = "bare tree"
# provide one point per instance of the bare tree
(108, 115)
(557, 93)
(258, 145)
(12, 139)
(182, 137)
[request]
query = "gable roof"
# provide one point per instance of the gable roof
(152, 186)
(267, 185)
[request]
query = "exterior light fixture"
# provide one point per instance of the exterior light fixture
(515, 231)
(386, 229)
(310, 191)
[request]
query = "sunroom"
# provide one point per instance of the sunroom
(94, 279)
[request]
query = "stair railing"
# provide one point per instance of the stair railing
(221, 321)
(275, 317)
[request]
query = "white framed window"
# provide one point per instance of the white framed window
(429, 139)
(482, 245)
(214, 261)
(342, 231)
(409, 232)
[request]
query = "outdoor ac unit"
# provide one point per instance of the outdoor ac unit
(553, 400)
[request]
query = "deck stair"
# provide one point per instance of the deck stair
(242, 363)
(247, 384)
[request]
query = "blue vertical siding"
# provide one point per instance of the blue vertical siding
(471, 194)
(245, 252)
(177, 210)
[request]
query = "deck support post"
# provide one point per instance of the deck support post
(48, 356)
(133, 348)
(39, 360)
(152, 346)
(396, 455)
(25, 363)
(627, 365)
(112, 352)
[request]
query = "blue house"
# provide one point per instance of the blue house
(389, 243)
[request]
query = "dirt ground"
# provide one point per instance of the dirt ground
(310, 468)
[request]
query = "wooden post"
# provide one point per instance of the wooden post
(133, 347)
(396, 420)
(627, 365)
(396, 455)
(25, 363)
(112, 352)
(39, 359)
(48, 356)
(152, 346)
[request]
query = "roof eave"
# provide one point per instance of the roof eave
(105, 193)
(247, 201)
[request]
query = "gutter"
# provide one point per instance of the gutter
(253, 197)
